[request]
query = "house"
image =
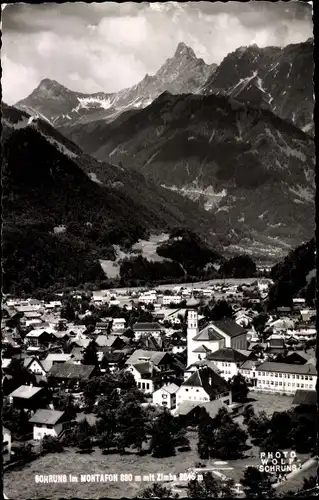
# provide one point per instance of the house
(6, 443)
(112, 341)
(298, 303)
(228, 361)
(34, 365)
(166, 396)
(171, 299)
(283, 378)
(283, 310)
(199, 364)
(39, 337)
(146, 376)
(71, 372)
(299, 357)
(27, 397)
(202, 386)
(53, 358)
(49, 423)
(189, 412)
(102, 326)
(118, 324)
(162, 360)
(303, 332)
(112, 361)
(141, 329)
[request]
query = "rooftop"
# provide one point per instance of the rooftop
(272, 366)
(71, 371)
(50, 417)
(303, 397)
(208, 333)
(208, 379)
(25, 391)
(229, 327)
(227, 354)
(147, 326)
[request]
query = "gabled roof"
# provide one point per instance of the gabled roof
(229, 327)
(212, 407)
(142, 355)
(170, 388)
(71, 371)
(147, 326)
(272, 366)
(25, 391)
(107, 340)
(204, 362)
(227, 354)
(202, 348)
(208, 334)
(50, 417)
(303, 397)
(210, 381)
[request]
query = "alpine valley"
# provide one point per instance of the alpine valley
(225, 149)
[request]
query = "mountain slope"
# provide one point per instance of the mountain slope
(183, 73)
(280, 79)
(254, 171)
(53, 200)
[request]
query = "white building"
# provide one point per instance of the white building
(118, 324)
(283, 378)
(48, 423)
(148, 298)
(202, 386)
(228, 361)
(166, 396)
(218, 334)
(171, 299)
(34, 365)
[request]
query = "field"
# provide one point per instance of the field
(270, 402)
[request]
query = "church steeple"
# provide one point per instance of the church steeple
(192, 326)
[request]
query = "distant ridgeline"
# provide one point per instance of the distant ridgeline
(295, 276)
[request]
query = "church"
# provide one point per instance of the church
(217, 335)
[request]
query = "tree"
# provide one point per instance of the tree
(209, 487)
(248, 413)
(259, 322)
(162, 444)
(157, 491)
(85, 444)
(241, 266)
(258, 427)
(239, 388)
(229, 441)
(257, 484)
(51, 444)
(90, 354)
(221, 310)
(205, 434)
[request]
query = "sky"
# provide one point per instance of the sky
(109, 46)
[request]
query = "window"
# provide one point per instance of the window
(259, 373)
(263, 374)
(147, 385)
(310, 378)
(288, 376)
(280, 375)
(297, 376)
(280, 383)
(301, 376)
(276, 374)
(143, 385)
(289, 384)
(302, 385)
(197, 390)
(164, 396)
(306, 377)
(272, 383)
(186, 390)
(276, 383)
(297, 385)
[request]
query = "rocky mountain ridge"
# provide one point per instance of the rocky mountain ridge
(279, 79)
(183, 73)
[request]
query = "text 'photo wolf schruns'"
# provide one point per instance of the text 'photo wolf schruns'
(159, 256)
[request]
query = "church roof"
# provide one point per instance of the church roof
(208, 334)
(229, 327)
(227, 354)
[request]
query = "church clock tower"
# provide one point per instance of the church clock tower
(192, 328)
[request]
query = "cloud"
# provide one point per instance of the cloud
(108, 46)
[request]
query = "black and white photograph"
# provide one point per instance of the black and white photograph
(158, 326)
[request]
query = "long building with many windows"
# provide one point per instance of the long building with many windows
(279, 377)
